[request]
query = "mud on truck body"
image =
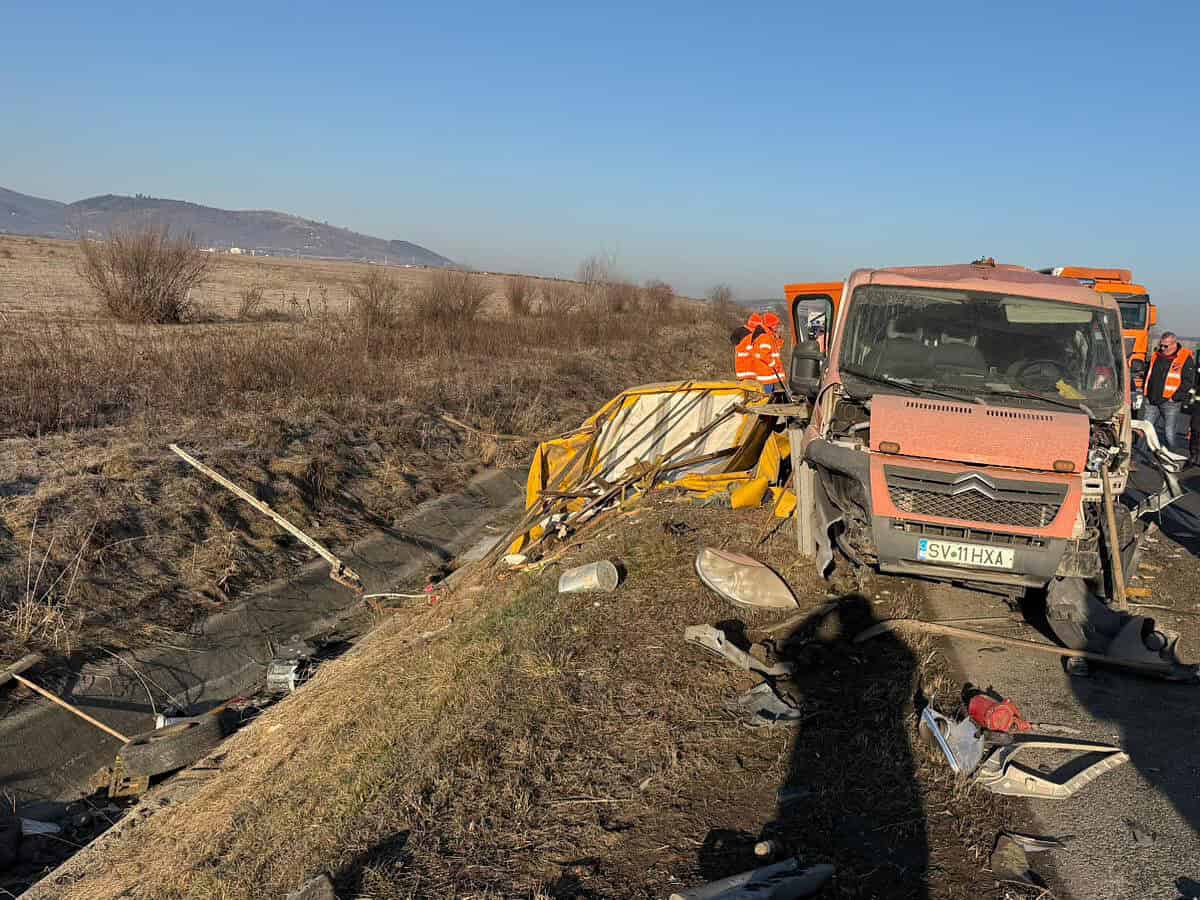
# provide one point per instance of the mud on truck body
(960, 423)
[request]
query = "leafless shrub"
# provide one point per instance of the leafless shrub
(251, 301)
(559, 298)
(620, 297)
(720, 294)
(721, 306)
(518, 293)
(144, 276)
(451, 297)
(596, 271)
(659, 296)
(374, 302)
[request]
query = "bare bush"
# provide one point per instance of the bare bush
(518, 293)
(374, 302)
(659, 296)
(596, 271)
(721, 306)
(559, 298)
(452, 296)
(145, 275)
(720, 294)
(620, 298)
(251, 302)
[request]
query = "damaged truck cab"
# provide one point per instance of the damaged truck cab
(962, 420)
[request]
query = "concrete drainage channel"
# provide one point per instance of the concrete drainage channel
(49, 755)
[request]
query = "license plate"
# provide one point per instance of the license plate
(964, 554)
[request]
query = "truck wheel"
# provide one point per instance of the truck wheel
(171, 748)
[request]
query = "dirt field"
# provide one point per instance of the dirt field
(107, 539)
(38, 278)
(573, 746)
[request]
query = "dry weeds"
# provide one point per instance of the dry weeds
(330, 410)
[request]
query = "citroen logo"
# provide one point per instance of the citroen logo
(973, 481)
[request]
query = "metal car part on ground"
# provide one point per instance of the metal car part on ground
(716, 642)
(988, 758)
(743, 581)
(778, 881)
(171, 748)
(764, 705)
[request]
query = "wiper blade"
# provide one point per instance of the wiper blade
(917, 389)
(1076, 406)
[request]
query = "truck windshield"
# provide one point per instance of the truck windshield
(990, 347)
(1133, 310)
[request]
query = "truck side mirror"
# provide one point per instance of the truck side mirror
(808, 365)
(1153, 315)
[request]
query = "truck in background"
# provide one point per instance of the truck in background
(1138, 314)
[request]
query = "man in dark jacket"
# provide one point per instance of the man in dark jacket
(1169, 382)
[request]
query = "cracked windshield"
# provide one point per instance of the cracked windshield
(983, 347)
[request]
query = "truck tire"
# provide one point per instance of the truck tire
(171, 748)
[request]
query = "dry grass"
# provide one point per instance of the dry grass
(563, 746)
(318, 400)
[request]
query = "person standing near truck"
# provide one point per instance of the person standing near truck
(768, 353)
(1170, 381)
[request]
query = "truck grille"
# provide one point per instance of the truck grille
(974, 497)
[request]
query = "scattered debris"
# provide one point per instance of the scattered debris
(1034, 844)
(172, 748)
(678, 529)
(319, 888)
(1185, 673)
(766, 849)
(785, 879)
(961, 742)
(338, 570)
(597, 576)
(1000, 774)
(34, 826)
(715, 641)
(988, 757)
(995, 713)
(1142, 836)
(513, 560)
(743, 580)
(763, 705)
(1009, 862)
(283, 675)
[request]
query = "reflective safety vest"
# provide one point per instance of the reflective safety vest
(768, 366)
(1175, 373)
(743, 358)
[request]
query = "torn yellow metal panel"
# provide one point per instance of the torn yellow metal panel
(688, 435)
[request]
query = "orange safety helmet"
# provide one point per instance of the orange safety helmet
(771, 321)
(755, 321)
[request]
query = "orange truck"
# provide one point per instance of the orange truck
(1138, 314)
(972, 423)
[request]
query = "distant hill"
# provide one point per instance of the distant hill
(263, 231)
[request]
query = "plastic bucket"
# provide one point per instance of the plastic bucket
(597, 576)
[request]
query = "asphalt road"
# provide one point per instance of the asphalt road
(1157, 793)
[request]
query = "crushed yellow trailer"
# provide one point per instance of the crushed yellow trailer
(704, 437)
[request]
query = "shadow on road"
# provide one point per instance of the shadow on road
(1158, 721)
(851, 796)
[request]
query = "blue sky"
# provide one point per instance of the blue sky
(754, 144)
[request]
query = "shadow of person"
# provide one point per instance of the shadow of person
(851, 795)
(1157, 722)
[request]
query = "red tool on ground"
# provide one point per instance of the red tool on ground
(996, 715)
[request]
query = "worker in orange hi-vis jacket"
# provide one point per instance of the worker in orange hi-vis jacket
(767, 354)
(744, 366)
